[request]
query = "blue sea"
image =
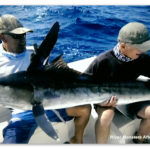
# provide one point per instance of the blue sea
(85, 31)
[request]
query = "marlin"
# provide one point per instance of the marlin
(55, 85)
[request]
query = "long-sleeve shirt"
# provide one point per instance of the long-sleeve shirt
(12, 63)
(106, 67)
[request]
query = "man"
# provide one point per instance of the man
(125, 62)
(13, 58)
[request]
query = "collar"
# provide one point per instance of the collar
(11, 56)
(119, 55)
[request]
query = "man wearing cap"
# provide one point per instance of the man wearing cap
(125, 62)
(13, 58)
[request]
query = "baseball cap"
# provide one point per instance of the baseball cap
(9, 24)
(136, 34)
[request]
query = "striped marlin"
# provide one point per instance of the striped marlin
(55, 85)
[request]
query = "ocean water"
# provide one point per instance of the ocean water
(84, 30)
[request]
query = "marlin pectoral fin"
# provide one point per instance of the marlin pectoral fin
(43, 122)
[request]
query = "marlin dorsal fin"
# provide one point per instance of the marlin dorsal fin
(59, 66)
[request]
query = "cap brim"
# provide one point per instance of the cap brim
(145, 46)
(20, 30)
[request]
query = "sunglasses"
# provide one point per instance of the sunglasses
(17, 36)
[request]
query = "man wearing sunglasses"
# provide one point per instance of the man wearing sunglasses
(13, 58)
